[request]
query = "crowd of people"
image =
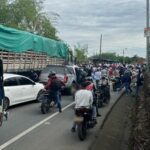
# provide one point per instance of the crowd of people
(88, 79)
(129, 74)
(130, 77)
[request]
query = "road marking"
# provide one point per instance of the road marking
(47, 123)
(14, 139)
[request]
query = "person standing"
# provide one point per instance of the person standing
(54, 87)
(126, 80)
(97, 76)
(139, 82)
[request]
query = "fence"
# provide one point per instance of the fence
(27, 61)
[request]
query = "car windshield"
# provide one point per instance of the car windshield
(57, 69)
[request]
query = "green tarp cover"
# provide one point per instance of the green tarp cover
(20, 41)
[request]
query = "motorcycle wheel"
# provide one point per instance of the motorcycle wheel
(114, 88)
(81, 132)
(44, 108)
(1, 119)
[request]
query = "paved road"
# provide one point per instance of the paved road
(28, 129)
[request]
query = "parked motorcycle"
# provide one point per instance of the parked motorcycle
(83, 122)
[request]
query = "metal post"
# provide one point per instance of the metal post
(123, 57)
(101, 47)
(147, 37)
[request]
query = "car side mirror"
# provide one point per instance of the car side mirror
(33, 83)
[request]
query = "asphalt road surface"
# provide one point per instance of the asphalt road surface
(28, 129)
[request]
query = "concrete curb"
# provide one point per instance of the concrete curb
(104, 120)
(110, 110)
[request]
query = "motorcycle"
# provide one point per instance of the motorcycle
(83, 122)
(46, 102)
(116, 83)
(103, 94)
(3, 112)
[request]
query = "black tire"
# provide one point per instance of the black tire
(81, 132)
(5, 103)
(114, 88)
(44, 108)
(38, 95)
(1, 119)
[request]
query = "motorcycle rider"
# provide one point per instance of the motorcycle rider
(83, 98)
(54, 87)
(90, 86)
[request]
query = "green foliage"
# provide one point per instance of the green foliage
(114, 57)
(4, 12)
(27, 15)
(81, 53)
(111, 56)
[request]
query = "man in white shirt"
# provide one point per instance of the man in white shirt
(83, 98)
(97, 76)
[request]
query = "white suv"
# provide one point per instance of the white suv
(66, 74)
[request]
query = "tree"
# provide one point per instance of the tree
(4, 14)
(108, 55)
(81, 53)
(27, 15)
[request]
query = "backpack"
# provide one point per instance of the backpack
(56, 85)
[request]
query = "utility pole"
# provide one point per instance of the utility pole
(100, 48)
(123, 57)
(148, 37)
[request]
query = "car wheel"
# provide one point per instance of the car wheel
(5, 103)
(38, 95)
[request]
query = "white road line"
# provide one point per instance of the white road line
(14, 139)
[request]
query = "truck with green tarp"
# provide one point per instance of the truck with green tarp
(22, 51)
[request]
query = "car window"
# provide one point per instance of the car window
(57, 69)
(24, 81)
(10, 82)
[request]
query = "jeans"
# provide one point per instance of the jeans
(57, 98)
(97, 82)
(94, 112)
(127, 85)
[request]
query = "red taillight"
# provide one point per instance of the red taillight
(65, 79)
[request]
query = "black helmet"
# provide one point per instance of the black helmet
(103, 78)
(52, 73)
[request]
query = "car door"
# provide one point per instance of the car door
(28, 88)
(12, 90)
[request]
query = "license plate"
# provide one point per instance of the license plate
(78, 119)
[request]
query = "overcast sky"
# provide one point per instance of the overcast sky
(121, 22)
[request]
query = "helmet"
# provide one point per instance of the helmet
(52, 73)
(103, 78)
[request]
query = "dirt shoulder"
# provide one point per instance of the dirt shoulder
(115, 133)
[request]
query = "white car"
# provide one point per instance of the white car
(19, 89)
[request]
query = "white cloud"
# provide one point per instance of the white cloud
(120, 21)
